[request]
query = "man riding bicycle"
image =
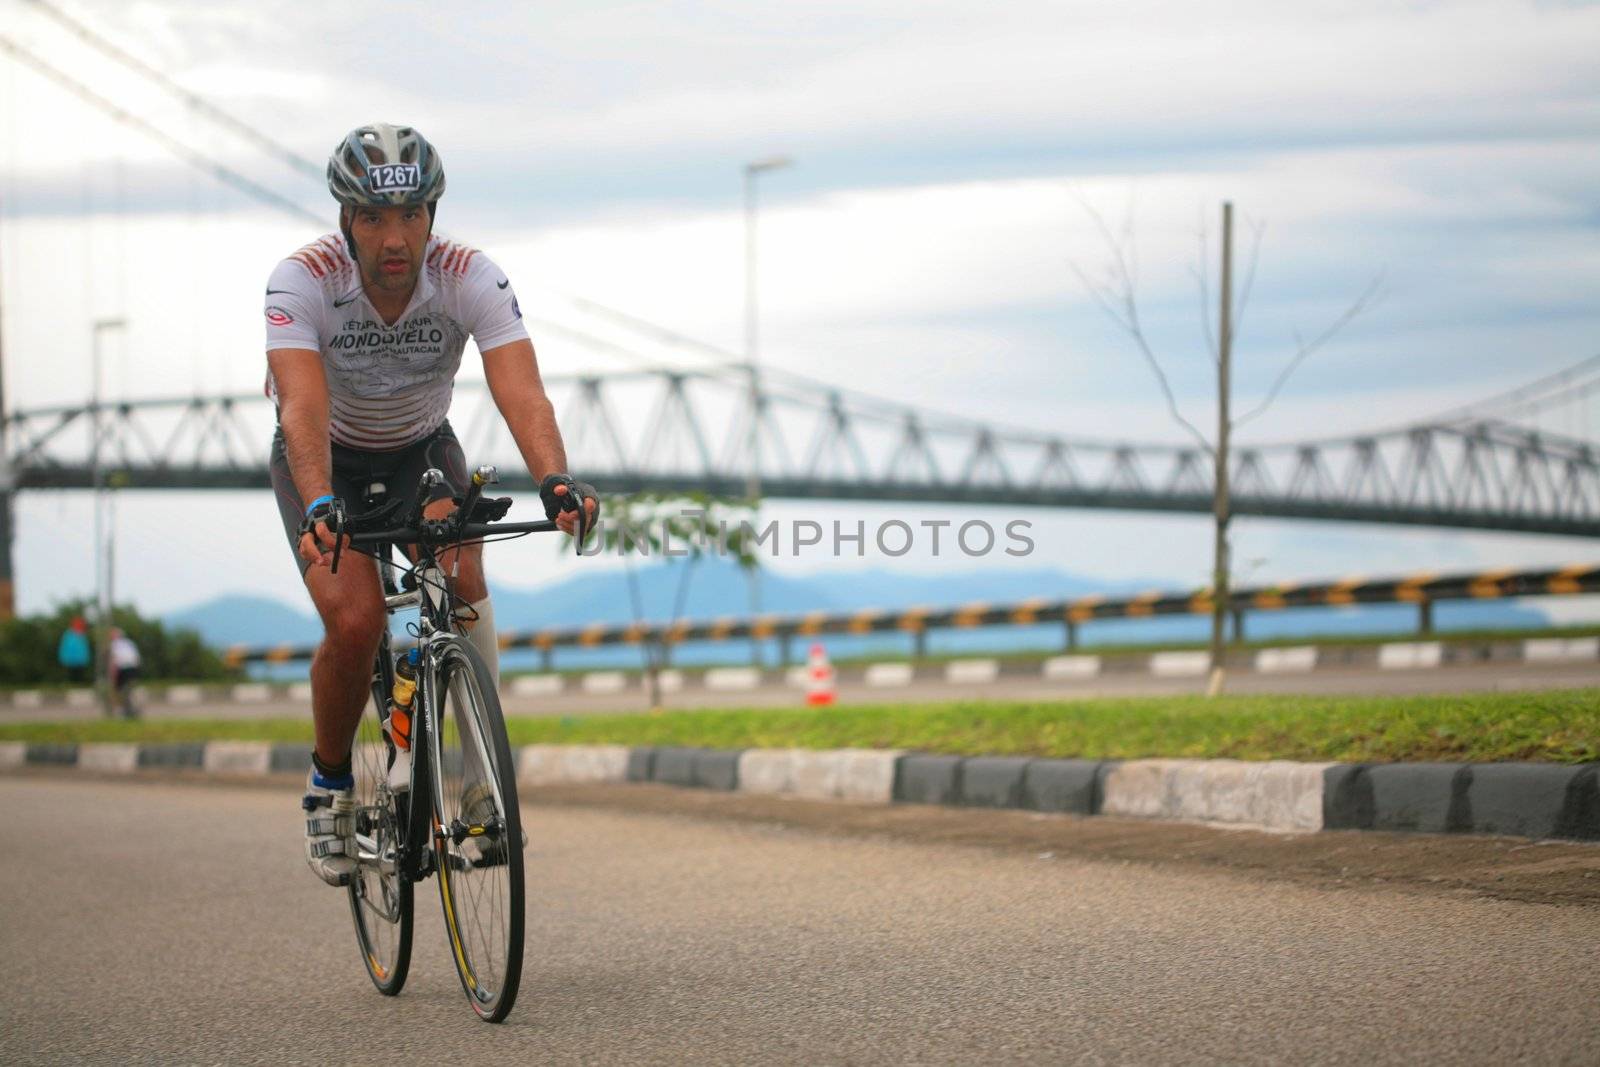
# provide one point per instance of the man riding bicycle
(365, 331)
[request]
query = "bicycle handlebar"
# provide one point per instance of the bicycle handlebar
(448, 532)
(455, 528)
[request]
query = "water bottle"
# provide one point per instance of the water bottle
(398, 723)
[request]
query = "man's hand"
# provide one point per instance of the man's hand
(560, 495)
(317, 531)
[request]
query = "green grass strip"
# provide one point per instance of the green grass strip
(1553, 726)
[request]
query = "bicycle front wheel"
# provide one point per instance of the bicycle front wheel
(380, 895)
(478, 839)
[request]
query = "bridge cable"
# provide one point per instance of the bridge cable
(192, 99)
(1560, 386)
(220, 171)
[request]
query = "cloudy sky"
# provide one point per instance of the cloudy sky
(950, 158)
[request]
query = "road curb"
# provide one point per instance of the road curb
(1530, 800)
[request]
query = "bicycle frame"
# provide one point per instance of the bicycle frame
(414, 847)
(430, 591)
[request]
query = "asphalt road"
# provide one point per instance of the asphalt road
(1470, 678)
(176, 922)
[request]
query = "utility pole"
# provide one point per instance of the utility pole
(8, 588)
(102, 561)
(1219, 576)
(752, 358)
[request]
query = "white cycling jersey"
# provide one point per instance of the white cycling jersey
(388, 385)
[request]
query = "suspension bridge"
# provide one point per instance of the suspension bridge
(682, 430)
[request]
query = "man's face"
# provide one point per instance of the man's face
(389, 244)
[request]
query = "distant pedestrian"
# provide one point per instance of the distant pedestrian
(73, 652)
(125, 662)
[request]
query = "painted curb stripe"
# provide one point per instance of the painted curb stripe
(731, 678)
(887, 675)
(1180, 664)
(1534, 800)
(108, 758)
(1061, 668)
(237, 757)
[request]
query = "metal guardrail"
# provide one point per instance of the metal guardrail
(1423, 590)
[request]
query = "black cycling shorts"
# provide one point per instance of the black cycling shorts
(365, 479)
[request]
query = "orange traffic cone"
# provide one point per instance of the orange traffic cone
(821, 686)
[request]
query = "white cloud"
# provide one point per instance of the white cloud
(921, 249)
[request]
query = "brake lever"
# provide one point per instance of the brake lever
(571, 500)
(583, 528)
(337, 515)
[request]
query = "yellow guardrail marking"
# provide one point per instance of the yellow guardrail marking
(1487, 585)
(1143, 604)
(912, 619)
(1343, 591)
(1082, 609)
(862, 621)
(1028, 611)
(1410, 591)
(1568, 581)
(969, 615)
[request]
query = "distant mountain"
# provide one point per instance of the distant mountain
(247, 620)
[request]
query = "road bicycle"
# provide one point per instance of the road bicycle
(456, 814)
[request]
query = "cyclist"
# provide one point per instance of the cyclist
(365, 331)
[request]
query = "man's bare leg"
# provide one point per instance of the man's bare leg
(353, 619)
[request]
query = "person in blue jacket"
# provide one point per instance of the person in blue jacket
(73, 652)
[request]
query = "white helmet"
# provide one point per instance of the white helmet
(380, 165)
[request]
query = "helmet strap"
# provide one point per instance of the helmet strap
(345, 215)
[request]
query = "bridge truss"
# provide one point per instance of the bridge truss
(674, 430)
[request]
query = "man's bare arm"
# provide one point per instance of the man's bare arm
(302, 389)
(513, 375)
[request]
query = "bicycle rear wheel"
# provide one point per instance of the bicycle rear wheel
(381, 898)
(479, 841)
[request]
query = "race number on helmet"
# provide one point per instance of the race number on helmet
(381, 165)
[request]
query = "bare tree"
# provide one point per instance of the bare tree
(1116, 294)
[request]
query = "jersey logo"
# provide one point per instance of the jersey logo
(502, 283)
(394, 178)
(278, 317)
(347, 298)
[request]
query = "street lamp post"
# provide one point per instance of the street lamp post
(752, 354)
(752, 333)
(102, 564)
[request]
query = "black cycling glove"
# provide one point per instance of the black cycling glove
(326, 509)
(555, 504)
